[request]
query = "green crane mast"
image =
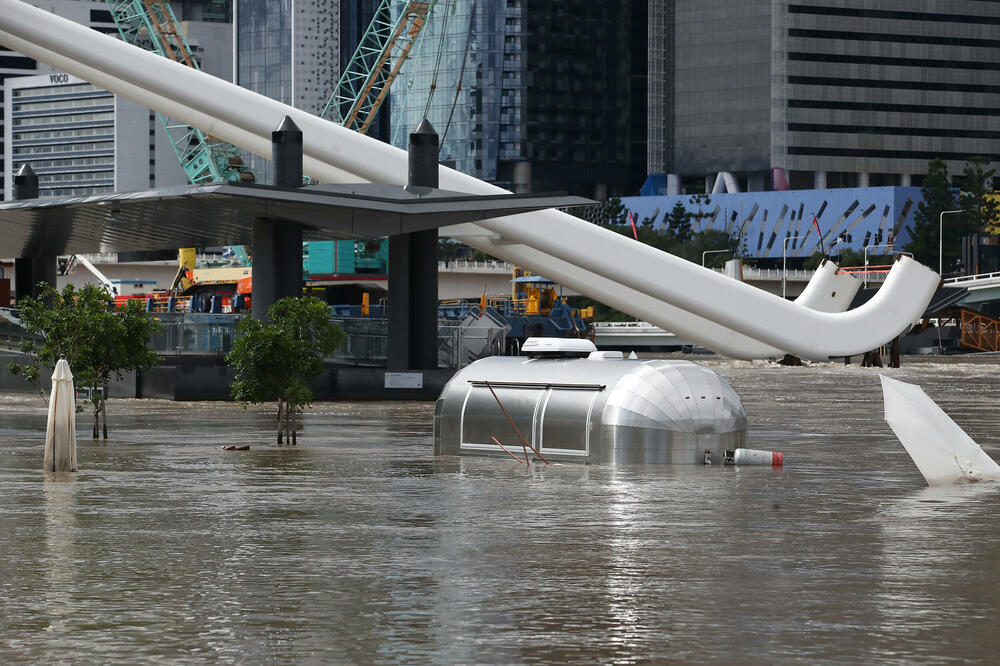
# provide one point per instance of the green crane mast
(380, 55)
(151, 24)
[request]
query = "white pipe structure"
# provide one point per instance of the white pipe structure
(597, 256)
(828, 290)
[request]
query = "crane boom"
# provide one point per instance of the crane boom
(151, 24)
(367, 78)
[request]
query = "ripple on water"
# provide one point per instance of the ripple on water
(360, 546)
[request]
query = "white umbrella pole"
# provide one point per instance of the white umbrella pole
(60, 432)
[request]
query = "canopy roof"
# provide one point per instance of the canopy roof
(223, 214)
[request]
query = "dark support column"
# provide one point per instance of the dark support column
(423, 172)
(29, 271)
(413, 275)
(277, 246)
(398, 352)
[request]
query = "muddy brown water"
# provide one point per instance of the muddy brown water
(358, 546)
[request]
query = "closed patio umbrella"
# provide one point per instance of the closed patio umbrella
(60, 434)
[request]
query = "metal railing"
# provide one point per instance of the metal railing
(367, 341)
(195, 334)
(465, 266)
(982, 277)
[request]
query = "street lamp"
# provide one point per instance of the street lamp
(941, 238)
(710, 252)
(784, 261)
(872, 247)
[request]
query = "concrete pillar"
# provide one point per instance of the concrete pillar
(29, 271)
(673, 184)
(601, 191)
(413, 274)
(522, 177)
(277, 246)
(905, 180)
(819, 180)
(863, 179)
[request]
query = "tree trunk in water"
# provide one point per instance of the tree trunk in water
(97, 416)
(295, 423)
(104, 413)
(288, 435)
(280, 404)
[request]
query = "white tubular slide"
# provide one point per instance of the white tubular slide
(828, 290)
(941, 450)
(594, 259)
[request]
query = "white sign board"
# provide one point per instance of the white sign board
(404, 380)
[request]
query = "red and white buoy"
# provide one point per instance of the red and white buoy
(753, 457)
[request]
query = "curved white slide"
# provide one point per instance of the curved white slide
(828, 290)
(335, 154)
(941, 450)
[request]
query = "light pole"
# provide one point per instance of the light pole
(941, 238)
(784, 261)
(710, 252)
(872, 247)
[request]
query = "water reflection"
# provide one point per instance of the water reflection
(59, 562)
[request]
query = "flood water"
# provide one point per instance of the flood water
(358, 546)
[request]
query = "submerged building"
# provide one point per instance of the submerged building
(819, 93)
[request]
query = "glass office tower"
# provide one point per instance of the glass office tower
(545, 100)
(288, 50)
(835, 94)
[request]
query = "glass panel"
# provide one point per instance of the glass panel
(483, 418)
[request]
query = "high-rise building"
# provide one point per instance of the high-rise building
(84, 140)
(88, 12)
(78, 138)
(288, 51)
(546, 96)
(836, 93)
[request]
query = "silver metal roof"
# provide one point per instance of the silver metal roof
(592, 409)
(223, 214)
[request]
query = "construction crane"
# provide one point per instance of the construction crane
(151, 24)
(359, 94)
(380, 55)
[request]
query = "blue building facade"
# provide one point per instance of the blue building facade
(769, 224)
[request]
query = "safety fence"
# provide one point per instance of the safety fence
(195, 334)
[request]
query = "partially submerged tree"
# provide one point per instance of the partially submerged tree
(278, 359)
(97, 340)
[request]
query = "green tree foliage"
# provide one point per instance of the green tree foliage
(937, 196)
(980, 210)
(702, 201)
(277, 360)
(97, 340)
(678, 223)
